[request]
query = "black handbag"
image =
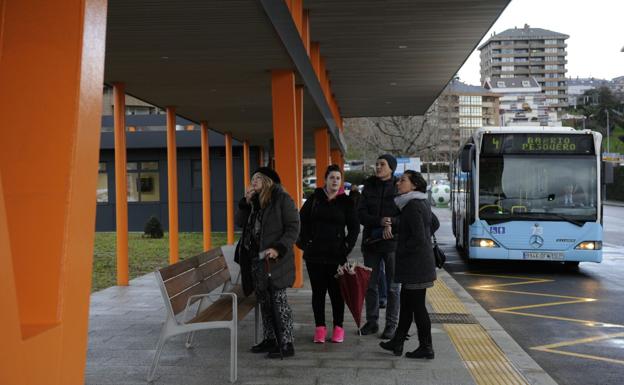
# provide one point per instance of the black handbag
(438, 254)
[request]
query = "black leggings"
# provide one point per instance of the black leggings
(323, 281)
(413, 309)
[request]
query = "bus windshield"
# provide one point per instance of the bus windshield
(538, 187)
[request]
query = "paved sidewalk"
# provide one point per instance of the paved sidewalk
(471, 348)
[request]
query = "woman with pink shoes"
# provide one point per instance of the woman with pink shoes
(325, 245)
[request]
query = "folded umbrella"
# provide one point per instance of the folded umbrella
(353, 280)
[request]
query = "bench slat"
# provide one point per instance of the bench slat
(178, 268)
(178, 302)
(221, 310)
(189, 278)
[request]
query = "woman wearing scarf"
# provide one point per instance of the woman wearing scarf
(324, 217)
(415, 265)
(270, 223)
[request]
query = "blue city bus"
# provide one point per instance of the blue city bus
(528, 193)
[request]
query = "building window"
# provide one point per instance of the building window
(550, 50)
(102, 184)
(507, 59)
(507, 68)
(552, 67)
(505, 76)
(551, 58)
(526, 83)
(143, 182)
(500, 84)
(550, 41)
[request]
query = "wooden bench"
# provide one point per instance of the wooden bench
(199, 278)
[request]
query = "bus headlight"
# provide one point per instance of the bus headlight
(589, 245)
(483, 242)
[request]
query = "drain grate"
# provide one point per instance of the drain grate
(452, 318)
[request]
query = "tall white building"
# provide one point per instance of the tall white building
(522, 103)
(529, 52)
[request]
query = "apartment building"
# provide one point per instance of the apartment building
(522, 102)
(529, 52)
(461, 109)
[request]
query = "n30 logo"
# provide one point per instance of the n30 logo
(499, 230)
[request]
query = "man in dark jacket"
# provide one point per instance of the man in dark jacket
(378, 213)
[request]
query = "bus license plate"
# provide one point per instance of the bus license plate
(543, 255)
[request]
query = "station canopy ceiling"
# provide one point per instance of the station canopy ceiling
(211, 59)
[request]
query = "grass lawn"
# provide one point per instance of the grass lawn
(145, 254)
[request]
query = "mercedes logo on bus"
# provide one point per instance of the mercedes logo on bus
(536, 241)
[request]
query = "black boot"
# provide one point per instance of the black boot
(423, 351)
(395, 345)
(264, 346)
(288, 350)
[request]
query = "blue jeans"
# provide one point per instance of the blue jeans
(382, 284)
(372, 260)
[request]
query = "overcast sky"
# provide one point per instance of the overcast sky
(595, 27)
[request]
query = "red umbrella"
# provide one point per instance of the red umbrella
(353, 280)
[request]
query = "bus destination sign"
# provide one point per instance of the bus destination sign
(538, 143)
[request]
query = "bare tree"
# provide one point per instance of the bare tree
(402, 136)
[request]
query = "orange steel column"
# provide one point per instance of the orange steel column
(336, 158)
(321, 152)
(315, 58)
(121, 183)
(285, 142)
(229, 188)
(172, 185)
(305, 35)
(48, 175)
(246, 175)
(205, 159)
(299, 133)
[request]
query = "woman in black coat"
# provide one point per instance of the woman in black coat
(415, 264)
(270, 223)
(325, 245)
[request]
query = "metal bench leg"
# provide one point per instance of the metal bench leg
(189, 340)
(233, 353)
(159, 347)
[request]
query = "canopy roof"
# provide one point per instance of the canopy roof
(212, 59)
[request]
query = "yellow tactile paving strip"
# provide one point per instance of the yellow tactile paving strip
(487, 364)
(443, 300)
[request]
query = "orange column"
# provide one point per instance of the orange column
(172, 185)
(121, 188)
(205, 159)
(285, 142)
(296, 10)
(299, 133)
(246, 176)
(306, 31)
(315, 58)
(48, 175)
(321, 152)
(229, 188)
(336, 158)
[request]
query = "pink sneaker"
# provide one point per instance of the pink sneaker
(338, 335)
(319, 334)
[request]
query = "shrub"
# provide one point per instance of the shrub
(153, 228)
(356, 177)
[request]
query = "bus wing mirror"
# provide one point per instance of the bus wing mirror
(607, 172)
(466, 158)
